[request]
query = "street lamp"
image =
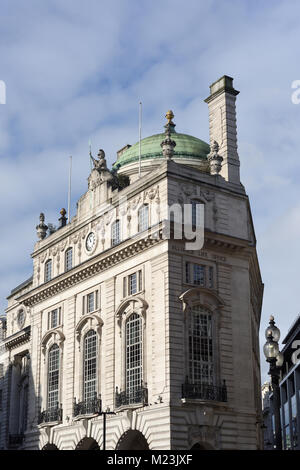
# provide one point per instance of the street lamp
(275, 358)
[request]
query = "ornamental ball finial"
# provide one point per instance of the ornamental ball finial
(169, 116)
(271, 318)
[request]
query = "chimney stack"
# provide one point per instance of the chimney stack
(222, 126)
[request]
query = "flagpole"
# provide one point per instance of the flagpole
(69, 192)
(140, 137)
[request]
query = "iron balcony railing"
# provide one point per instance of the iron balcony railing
(137, 395)
(204, 391)
(87, 407)
(15, 439)
(52, 414)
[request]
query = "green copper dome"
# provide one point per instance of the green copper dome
(187, 146)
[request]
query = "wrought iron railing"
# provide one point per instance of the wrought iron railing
(130, 397)
(52, 414)
(86, 407)
(15, 439)
(204, 391)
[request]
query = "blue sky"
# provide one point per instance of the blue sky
(76, 71)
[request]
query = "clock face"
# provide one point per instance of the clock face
(90, 241)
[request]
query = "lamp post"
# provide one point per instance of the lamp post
(275, 359)
(104, 413)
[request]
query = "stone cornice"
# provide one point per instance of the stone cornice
(18, 338)
(89, 268)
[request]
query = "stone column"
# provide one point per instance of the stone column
(222, 126)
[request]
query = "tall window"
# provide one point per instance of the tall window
(200, 346)
(48, 270)
(90, 302)
(90, 365)
(53, 377)
(133, 353)
(143, 218)
(132, 283)
(115, 233)
(68, 259)
(54, 318)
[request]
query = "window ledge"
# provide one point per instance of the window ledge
(50, 423)
(85, 416)
(198, 401)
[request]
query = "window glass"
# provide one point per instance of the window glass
(133, 353)
(53, 376)
(143, 218)
(48, 270)
(90, 365)
(200, 346)
(69, 259)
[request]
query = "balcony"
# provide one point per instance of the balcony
(204, 392)
(137, 396)
(50, 415)
(87, 407)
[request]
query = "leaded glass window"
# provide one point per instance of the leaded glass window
(133, 353)
(48, 270)
(53, 377)
(143, 216)
(115, 233)
(90, 365)
(69, 259)
(201, 367)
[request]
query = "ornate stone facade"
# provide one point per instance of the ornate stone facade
(75, 316)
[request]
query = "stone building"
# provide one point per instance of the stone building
(123, 315)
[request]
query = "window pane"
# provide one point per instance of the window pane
(200, 346)
(115, 233)
(53, 376)
(69, 259)
(90, 365)
(48, 270)
(133, 353)
(199, 274)
(132, 284)
(90, 302)
(54, 318)
(143, 218)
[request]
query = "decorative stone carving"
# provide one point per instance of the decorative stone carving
(99, 173)
(41, 228)
(168, 145)
(215, 160)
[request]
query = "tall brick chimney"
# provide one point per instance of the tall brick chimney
(222, 126)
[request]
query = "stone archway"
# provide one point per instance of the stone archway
(87, 443)
(50, 447)
(132, 440)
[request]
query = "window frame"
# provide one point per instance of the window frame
(115, 240)
(48, 272)
(142, 218)
(84, 362)
(67, 261)
(58, 370)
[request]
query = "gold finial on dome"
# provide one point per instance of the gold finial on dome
(169, 116)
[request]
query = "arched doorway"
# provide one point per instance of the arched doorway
(132, 440)
(50, 447)
(87, 443)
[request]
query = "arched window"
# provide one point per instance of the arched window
(143, 218)
(201, 366)
(133, 356)
(68, 259)
(53, 377)
(48, 270)
(90, 366)
(115, 233)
